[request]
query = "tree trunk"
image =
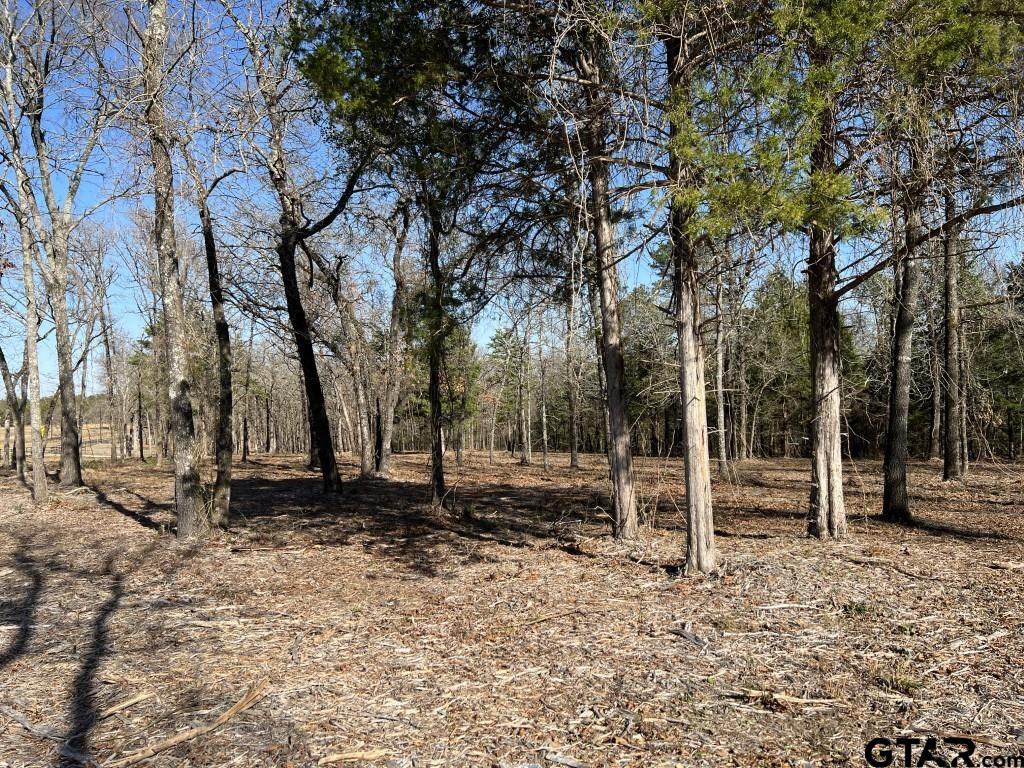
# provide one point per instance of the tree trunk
(108, 360)
(700, 545)
(363, 419)
(138, 392)
(395, 351)
(543, 395)
(191, 513)
(15, 415)
(83, 361)
(935, 433)
(965, 393)
(70, 446)
(827, 517)
(606, 269)
(700, 549)
(1010, 452)
(8, 455)
(363, 415)
(952, 464)
(319, 423)
(526, 439)
(345, 439)
(572, 382)
(40, 491)
(268, 418)
(225, 405)
(437, 328)
(827, 514)
(720, 427)
(895, 500)
(744, 447)
(437, 484)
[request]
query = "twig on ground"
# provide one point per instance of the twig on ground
(125, 704)
(353, 757)
(253, 695)
(878, 561)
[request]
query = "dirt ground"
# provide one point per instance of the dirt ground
(514, 633)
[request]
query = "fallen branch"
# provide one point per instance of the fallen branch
(45, 732)
(687, 634)
(251, 697)
(125, 704)
(538, 620)
(878, 561)
(353, 757)
(569, 762)
(1006, 565)
(37, 730)
(954, 735)
(781, 698)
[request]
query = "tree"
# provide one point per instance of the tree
(277, 101)
(57, 106)
(934, 49)
(193, 521)
(413, 87)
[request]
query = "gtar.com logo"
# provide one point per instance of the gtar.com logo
(946, 752)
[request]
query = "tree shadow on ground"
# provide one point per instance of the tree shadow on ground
(395, 519)
(47, 574)
(139, 517)
(945, 529)
(83, 705)
(21, 611)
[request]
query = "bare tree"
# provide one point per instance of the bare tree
(55, 72)
(193, 519)
(276, 101)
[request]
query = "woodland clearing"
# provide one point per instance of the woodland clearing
(512, 633)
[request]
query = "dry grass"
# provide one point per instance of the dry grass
(512, 634)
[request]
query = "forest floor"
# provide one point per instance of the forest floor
(514, 633)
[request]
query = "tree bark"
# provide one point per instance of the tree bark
(743, 450)
(543, 395)
(268, 416)
(8, 454)
(15, 414)
(225, 404)
(108, 359)
(895, 500)
(620, 455)
(827, 514)
(193, 522)
(700, 544)
(720, 427)
(572, 381)
(965, 393)
(139, 415)
(40, 491)
(319, 423)
(952, 464)
(70, 441)
(700, 549)
(525, 433)
(437, 329)
(935, 365)
(395, 351)
(354, 357)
